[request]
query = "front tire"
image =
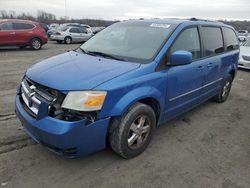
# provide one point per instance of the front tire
(36, 44)
(68, 40)
(225, 90)
(130, 135)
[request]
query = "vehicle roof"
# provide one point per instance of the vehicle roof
(176, 21)
(16, 20)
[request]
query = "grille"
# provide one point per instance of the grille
(33, 95)
(246, 58)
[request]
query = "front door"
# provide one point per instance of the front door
(185, 82)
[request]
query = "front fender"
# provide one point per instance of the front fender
(135, 95)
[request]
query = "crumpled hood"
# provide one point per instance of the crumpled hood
(76, 71)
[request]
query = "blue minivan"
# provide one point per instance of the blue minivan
(127, 80)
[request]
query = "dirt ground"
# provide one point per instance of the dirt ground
(206, 147)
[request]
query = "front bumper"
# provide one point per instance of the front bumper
(70, 139)
(244, 64)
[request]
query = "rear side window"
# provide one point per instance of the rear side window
(188, 40)
(230, 38)
(83, 30)
(212, 41)
(22, 26)
(6, 26)
(74, 30)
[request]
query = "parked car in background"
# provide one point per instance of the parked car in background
(45, 27)
(53, 26)
(244, 61)
(52, 29)
(69, 34)
(97, 29)
(83, 26)
(22, 33)
(242, 35)
(124, 82)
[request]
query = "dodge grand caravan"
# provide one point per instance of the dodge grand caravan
(120, 85)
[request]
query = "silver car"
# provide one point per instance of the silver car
(244, 60)
(71, 34)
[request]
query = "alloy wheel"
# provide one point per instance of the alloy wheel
(138, 132)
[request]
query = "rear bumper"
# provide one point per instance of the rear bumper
(244, 64)
(70, 139)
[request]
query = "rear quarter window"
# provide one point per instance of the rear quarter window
(230, 38)
(212, 41)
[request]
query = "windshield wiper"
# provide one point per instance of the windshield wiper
(105, 55)
(84, 51)
(95, 53)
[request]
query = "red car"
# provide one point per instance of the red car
(22, 33)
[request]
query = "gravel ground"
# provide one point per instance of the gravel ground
(206, 147)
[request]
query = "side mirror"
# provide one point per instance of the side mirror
(180, 58)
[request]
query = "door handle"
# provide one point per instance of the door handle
(200, 68)
(209, 65)
(12, 33)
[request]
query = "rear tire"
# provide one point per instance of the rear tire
(36, 44)
(130, 135)
(225, 90)
(68, 40)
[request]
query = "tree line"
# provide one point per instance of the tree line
(48, 18)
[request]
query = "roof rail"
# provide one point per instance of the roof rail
(196, 19)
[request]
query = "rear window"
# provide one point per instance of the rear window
(6, 26)
(22, 26)
(212, 41)
(230, 38)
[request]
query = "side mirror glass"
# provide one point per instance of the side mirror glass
(180, 58)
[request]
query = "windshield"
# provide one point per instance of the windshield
(136, 42)
(247, 43)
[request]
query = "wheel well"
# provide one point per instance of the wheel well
(35, 38)
(232, 73)
(68, 37)
(154, 104)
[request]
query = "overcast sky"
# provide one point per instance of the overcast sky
(126, 9)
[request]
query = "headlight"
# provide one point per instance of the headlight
(84, 100)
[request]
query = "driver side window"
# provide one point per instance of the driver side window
(188, 40)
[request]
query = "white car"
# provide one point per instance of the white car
(71, 34)
(242, 35)
(244, 61)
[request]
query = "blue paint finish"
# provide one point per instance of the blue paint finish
(65, 135)
(75, 71)
(175, 88)
(181, 58)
